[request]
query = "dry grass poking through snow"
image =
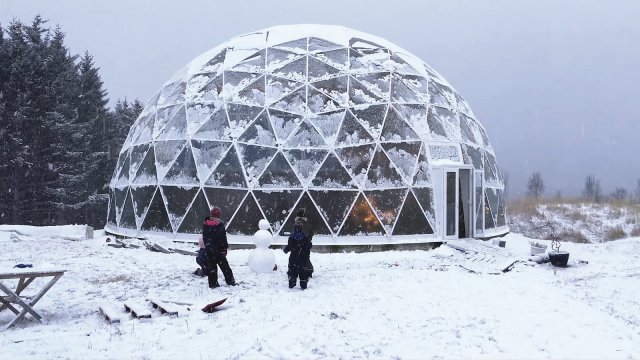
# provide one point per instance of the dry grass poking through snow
(574, 220)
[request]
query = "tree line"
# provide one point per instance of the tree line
(591, 191)
(59, 141)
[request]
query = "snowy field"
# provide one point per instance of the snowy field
(386, 305)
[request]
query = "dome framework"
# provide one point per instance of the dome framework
(361, 133)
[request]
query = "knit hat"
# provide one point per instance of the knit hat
(301, 212)
(216, 212)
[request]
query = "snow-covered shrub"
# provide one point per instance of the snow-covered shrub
(614, 233)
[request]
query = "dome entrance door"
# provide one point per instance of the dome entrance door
(458, 203)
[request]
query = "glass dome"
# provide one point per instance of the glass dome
(361, 133)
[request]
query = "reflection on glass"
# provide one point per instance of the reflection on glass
(451, 204)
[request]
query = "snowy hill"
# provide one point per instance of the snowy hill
(575, 220)
(395, 304)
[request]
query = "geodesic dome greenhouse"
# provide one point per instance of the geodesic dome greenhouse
(361, 133)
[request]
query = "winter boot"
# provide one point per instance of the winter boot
(213, 282)
(292, 283)
(303, 284)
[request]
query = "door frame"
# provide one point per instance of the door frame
(470, 201)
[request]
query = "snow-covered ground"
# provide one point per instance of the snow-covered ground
(395, 304)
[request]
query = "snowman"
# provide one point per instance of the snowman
(262, 259)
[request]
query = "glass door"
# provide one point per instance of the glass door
(451, 203)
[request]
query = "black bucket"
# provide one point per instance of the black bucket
(559, 259)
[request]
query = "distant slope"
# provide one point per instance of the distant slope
(574, 220)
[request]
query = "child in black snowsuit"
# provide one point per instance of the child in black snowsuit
(214, 236)
(299, 245)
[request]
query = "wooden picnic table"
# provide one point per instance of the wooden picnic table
(12, 300)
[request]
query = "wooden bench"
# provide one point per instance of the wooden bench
(137, 310)
(110, 313)
(164, 307)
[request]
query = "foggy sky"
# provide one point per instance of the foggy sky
(555, 83)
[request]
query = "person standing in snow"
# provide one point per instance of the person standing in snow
(299, 244)
(214, 236)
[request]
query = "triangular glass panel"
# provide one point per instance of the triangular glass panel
(411, 220)
(254, 63)
(333, 175)
(315, 219)
(178, 200)
(472, 156)
(176, 128)
(319, 102)
(120, 196)
(128, 219)
(295, 70)
(146, 174)
(425, 199)
(404, 156)
(253, 94)
(441, 95)
(335, 88)
(123, 173)
(165, 152)
(463, 106)
(216, 127)
(226, 199)
(142, 197)
(279, 175)
(415, 115)
(306, 136)
(297, 46)
(490, 173)
(362, 220)
(364, 45)
(359, 94)
(156, 218)
(234, 81)
(377, 83)
(183, 171)
(465, 129)
(419, 85)
(260, 132)
(371, 117)
(319, 70)
(352, 132)
(435, 125)
(317, 45)
(356, 159)
(284, 123)
(277, 88)
(277, 205)
(245, 221)
(401, 66)
(424, 195)
(449, 118)
(111, 216)
(386, 203)
(172, 93)
(142, 130)
(277, 58)
(371, 62)
(489, 222)
(228, 172)
(501, 220)
(306, 162)
(215, 63)
(207, 154)
(422, 176)
(328, 124)
(334, 205)
(212, 91)
(381, 173)
(255, 159)
(295, 102)
(401, 93)
(192, 221)
(138, 154)
(240, 116)
(396, 129)
(163, 116)
(195, 83)
(338, 58)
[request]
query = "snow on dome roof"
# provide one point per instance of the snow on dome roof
(342, 123)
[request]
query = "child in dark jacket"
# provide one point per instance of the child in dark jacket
(299, 244)
(214, 236)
